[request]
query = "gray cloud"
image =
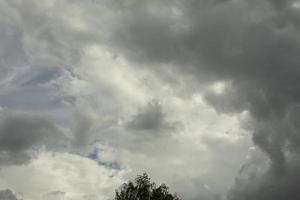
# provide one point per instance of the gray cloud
(7, 195)
(254, 46)
(152, 118)
(21, 133)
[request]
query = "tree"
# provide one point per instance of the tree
(143, 189)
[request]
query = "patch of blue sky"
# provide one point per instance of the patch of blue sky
(96, 156)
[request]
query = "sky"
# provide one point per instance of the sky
(203, 95)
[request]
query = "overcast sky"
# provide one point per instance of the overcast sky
(203, 95)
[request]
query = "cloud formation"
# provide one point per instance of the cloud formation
(61, 175)
(152, 118)
(21, 133)
(93, 65)
(251, 46)
(7, 195)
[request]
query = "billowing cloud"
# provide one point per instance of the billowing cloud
(252, 46)
(61, 175)
(152, 118)
(7, 195)
(219, 70)
(21, 134)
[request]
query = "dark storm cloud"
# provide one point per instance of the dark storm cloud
(7, 195)
(21, 133)
(269, 186)
(253, 46)
(151, 118)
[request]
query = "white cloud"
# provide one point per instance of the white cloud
(73, 175)
(205, 146)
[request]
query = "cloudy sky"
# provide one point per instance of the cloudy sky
(203, 95)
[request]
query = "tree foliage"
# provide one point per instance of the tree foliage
(143, 189)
